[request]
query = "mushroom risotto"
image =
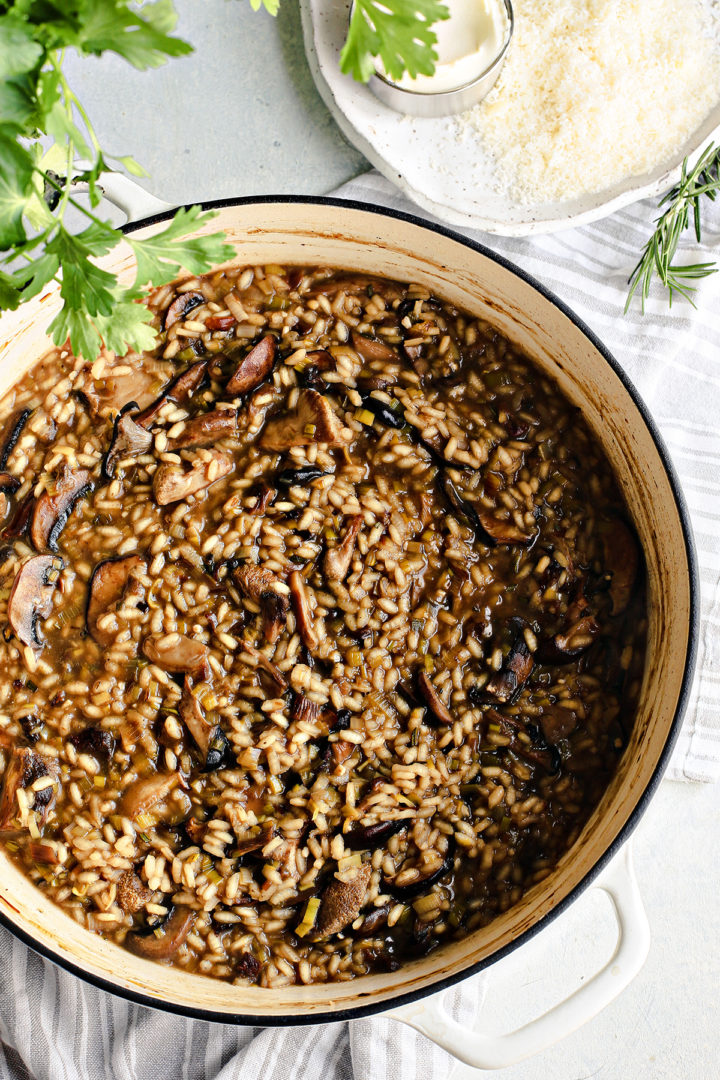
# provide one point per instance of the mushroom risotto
(324, 626)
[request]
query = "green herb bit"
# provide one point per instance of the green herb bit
(703, 179)
(398, 31)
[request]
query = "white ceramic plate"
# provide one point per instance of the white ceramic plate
(449, 178)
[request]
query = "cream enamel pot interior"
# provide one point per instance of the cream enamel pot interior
(340, 234)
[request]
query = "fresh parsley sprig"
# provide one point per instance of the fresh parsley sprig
(400, 32)
(44, 129)
(702, 180)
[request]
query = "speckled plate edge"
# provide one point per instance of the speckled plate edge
(599, 206)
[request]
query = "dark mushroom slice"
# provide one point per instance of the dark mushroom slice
(465, 508)
(254, 367)
(145, 793)
(210, 738)
(533, 748)
(503, 530)
(107, 587)
(206, 429)
(434, 702)
(181, 307)
(175, 930)
(31, 595)
(264, 498)
(383, 412)
(369, 837)
(622, 560)
(18, 523)
(313, 421)
(424, 881)
(557, 723)
(248, 844)
(267, 590)
(51, 511)
(171, 484)
(337, 560)
(93, 740)
(566, 646)
(267, 665)
(132, 895)
(180, 390)
(514, 673)
(8, 484)
(118, 391)
(373, 921)
(13, 431)
(24, 767)
(373, 348)
(304, 475)
(301, 607)
(129, 440)
(177, 653)
(342, 902)
(305, 709)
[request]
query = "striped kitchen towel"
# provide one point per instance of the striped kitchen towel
(54, 1027)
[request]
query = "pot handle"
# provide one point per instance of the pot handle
(488, 1051)
(128, 196)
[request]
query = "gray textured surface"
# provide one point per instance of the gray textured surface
(240, 116)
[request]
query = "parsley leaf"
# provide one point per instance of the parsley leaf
(161, 257)
(398, 31)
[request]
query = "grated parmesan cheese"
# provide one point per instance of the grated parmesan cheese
(595, 91)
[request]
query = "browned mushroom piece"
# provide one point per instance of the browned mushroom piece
(22, 770)
(265, 496)
(179, 390)
(193, 716)
(117, 391)
(567, 645)
(313, 421)
(18, 521)
(8, 484)
(342, 901)
(181, 307)
(557, 723)
(305, 709)
(171, 484)
(129, 440)
(206, 429)
(51, 511)
(254, 367)
(164, 946)
(107, 587)
(507, 461)
(369, 837)
(145, 793)
(621, 562)
(423, 880)
(503, 530)
(256, 842)
(514, 673)
(31, 595)
(301, 607)
(176, 652)
(337, 560)
(435, 703)
(131, 893)
(267, 590)
(11, 434)
(373, 348)
(267, 665)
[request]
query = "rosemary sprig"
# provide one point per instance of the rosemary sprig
(659, 252)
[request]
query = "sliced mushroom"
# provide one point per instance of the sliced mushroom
(246, 966)
(117, 391)
(265, 497)
(533, 748)
(176, 652)
(18, 523)
(23, 769)
(254, 367)
(514, 673)
(267, 590)
(567, 645)
(304, 475)
(304, 709)
(142, 794)
(129, 440)
(256, 842)
(11, 434)
(8, 484)
(372, 348)
(267, 665)
(423, 880)
(206, 429)
(369, 837)
(175, 930)
(181, 307)
(30, 598)
(337, 560)
(180, 390)
(435, 703)
(107, 587)
(94, 740)
(504, 530)
(312, 422)
(193, 716)
(51, 511)
(383, 411)
(507, 461)
(342, 901)
(301, 606)
(132, 895)
(171, 484)
(621, 562)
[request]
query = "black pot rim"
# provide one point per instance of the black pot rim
(370, 1008)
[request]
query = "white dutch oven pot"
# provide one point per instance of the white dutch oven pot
(335, 233)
